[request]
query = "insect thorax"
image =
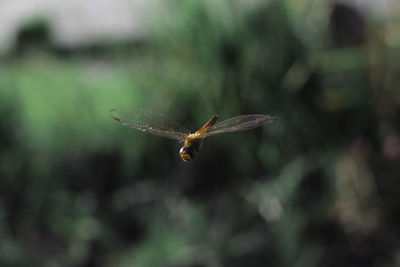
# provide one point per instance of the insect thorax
(194, 141)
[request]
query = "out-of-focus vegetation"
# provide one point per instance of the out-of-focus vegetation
(319, 187)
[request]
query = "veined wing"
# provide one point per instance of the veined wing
(152, 122)
(240, 123)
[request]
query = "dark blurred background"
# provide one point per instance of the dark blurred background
(318, 187)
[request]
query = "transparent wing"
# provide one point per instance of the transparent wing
(152, 122)
(240, 123)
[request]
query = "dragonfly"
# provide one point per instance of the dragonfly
(159, 124)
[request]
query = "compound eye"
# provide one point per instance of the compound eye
(186, 157)
(186, 153)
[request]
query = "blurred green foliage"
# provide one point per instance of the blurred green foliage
(319, 187)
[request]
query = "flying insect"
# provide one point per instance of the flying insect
(159, 124)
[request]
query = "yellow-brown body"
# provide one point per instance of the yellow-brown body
(194, 141)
